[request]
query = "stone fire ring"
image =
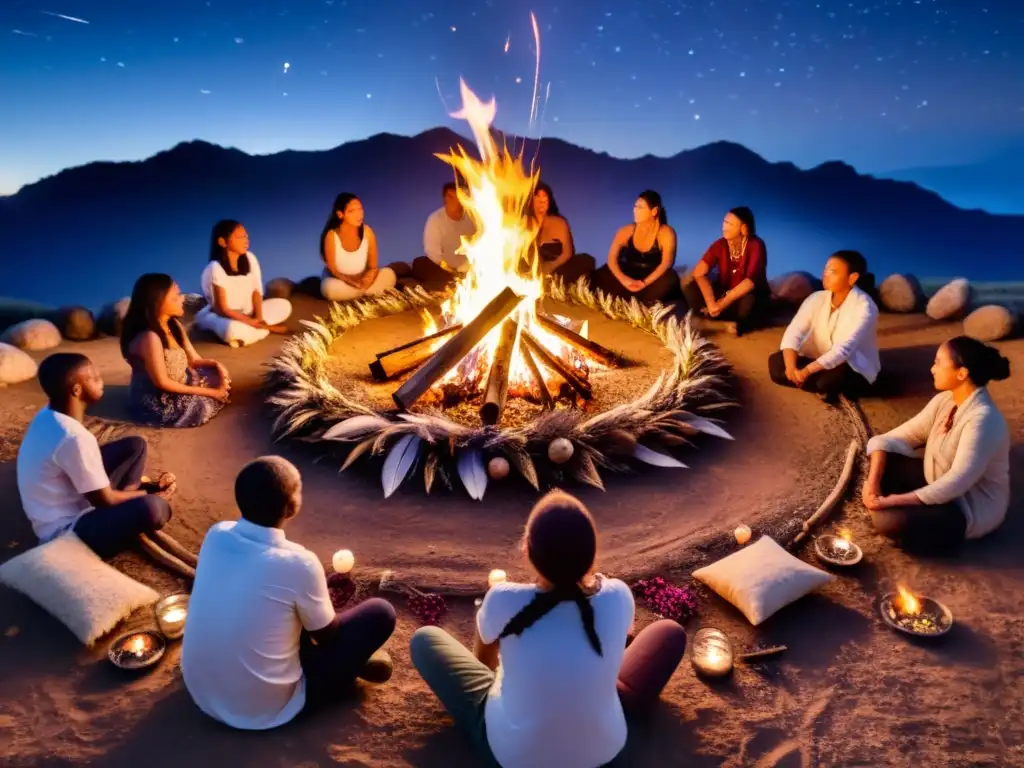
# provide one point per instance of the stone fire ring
(678, 406)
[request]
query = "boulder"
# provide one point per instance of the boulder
(794, 287)
(194, 302)
(990, 323)
(75, 323)
(15, 365)
(401, 268)
(901, 293)
(33, 335)
(279, 288)
(112, 317)
(310, 286)
(950, 301)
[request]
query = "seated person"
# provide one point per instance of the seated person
(349, 250)
(554, 239)
(642, 256)
(232, 283)
(739, 293)
(831, 346)
(68, 482)
(171, 385)
(442, 238)
(566, 679)
(962, 488)
(263, 640)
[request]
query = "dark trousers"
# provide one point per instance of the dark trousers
(579, 265)
(109, 530)
(935, 528)
(433, 276)
(332, 666)
(748, 312)
(664, 289)
(461, 681)
(841, 380)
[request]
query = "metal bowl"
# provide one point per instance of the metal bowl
(929, 607)
(825, 547)
(122, 658)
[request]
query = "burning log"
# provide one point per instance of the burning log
(496, 391)
(590, 348)
(581, 387)
(410, 355)
(456, 348)
(545, 396)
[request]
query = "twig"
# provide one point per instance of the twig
(165, 559)
(833, 498)
(762, 653)
(174, 547)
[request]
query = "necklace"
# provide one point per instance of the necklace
(735, 254)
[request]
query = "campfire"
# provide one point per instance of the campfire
(492, 339)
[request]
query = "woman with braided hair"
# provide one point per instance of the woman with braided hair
(565, 679)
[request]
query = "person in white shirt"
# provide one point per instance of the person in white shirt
(262, 640)
(232, 284)
(566, 680)
(442, 238)
(68, 482)
(961, 488)
(348, 247)
(831, 346)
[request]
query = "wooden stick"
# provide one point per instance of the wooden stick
(496, 391)
(582, 388)
(456, 348)
(174, 547)
(168, 561)
(763, 653)
(590, 348)
(833, 498)
(545, 395)
(407, 356)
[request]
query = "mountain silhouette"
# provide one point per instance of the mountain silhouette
(85, 234)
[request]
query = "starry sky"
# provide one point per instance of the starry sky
(884, 85)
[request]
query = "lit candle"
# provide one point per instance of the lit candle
(343, 561)
(496, 577)
(137, 645)
(742, 534)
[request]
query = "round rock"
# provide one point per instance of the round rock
(794, 287)
(194, 302)
(33, 335)
(280, 288)
(950, 301)
(76, 323)
(15, 365)
(990, 323)
(901, 293)
(310, 286)
(112, 317)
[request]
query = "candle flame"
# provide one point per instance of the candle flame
(137, 645)
(844, 533)
(175, 615)
(908, 604)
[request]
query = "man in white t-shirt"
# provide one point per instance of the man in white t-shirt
(442, 238)
(68, 482)
(263, 639)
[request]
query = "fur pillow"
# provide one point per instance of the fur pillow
(761, 579)
(71, 583)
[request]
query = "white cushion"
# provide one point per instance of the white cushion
(71, 583)
(761, 579)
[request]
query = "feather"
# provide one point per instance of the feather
(356, 452)
(706, 426)
(429, 469)
(399, 462)
(356, 426)
(524, 466)
(585, 471)
(472, 472)
(646, 455)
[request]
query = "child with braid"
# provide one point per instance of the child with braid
(566, 680)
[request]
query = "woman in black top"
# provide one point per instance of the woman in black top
(642, 255)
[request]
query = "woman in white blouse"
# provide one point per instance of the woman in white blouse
(962, 488)
(349, 250)
(233, 286)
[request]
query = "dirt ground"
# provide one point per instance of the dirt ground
(847, 692)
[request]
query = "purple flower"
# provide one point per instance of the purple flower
(665, 599)
(428, 608)
(341, 588)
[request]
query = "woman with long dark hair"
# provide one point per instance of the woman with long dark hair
(232, 283)
(565, 679)
(961, 489)
(642, 255)
(555, 245)
(171, 386)
(348, 247)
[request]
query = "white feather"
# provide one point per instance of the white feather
(356, 426)
(705, 426)
(401, 459)
(646, 455)
(473, 473)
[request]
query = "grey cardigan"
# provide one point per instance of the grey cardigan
(970, 464)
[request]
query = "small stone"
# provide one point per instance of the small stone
(194, 302)
(990, 323)
(112, 317)
(497, 468)
(279, 288)
(560, 450)
(794, 287)
(950, 301)
(76, 323)
(33, 335)
(901, 293)
(401, 269)
(15, 365)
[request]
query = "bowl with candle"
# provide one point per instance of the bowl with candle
(711, 653)
(915, 615)
(137, 650)
(171, 613)
(837, 550)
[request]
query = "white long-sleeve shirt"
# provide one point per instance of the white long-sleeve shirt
(831, 338)
(970, 464)
(442, 236)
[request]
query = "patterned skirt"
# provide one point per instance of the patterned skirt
(156, 408)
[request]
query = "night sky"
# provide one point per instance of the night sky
(883, 85)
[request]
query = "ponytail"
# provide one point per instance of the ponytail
(544, 602)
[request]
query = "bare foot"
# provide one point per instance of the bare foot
(732, 329)
(277, 328)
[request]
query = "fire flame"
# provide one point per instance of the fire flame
(908, 604)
